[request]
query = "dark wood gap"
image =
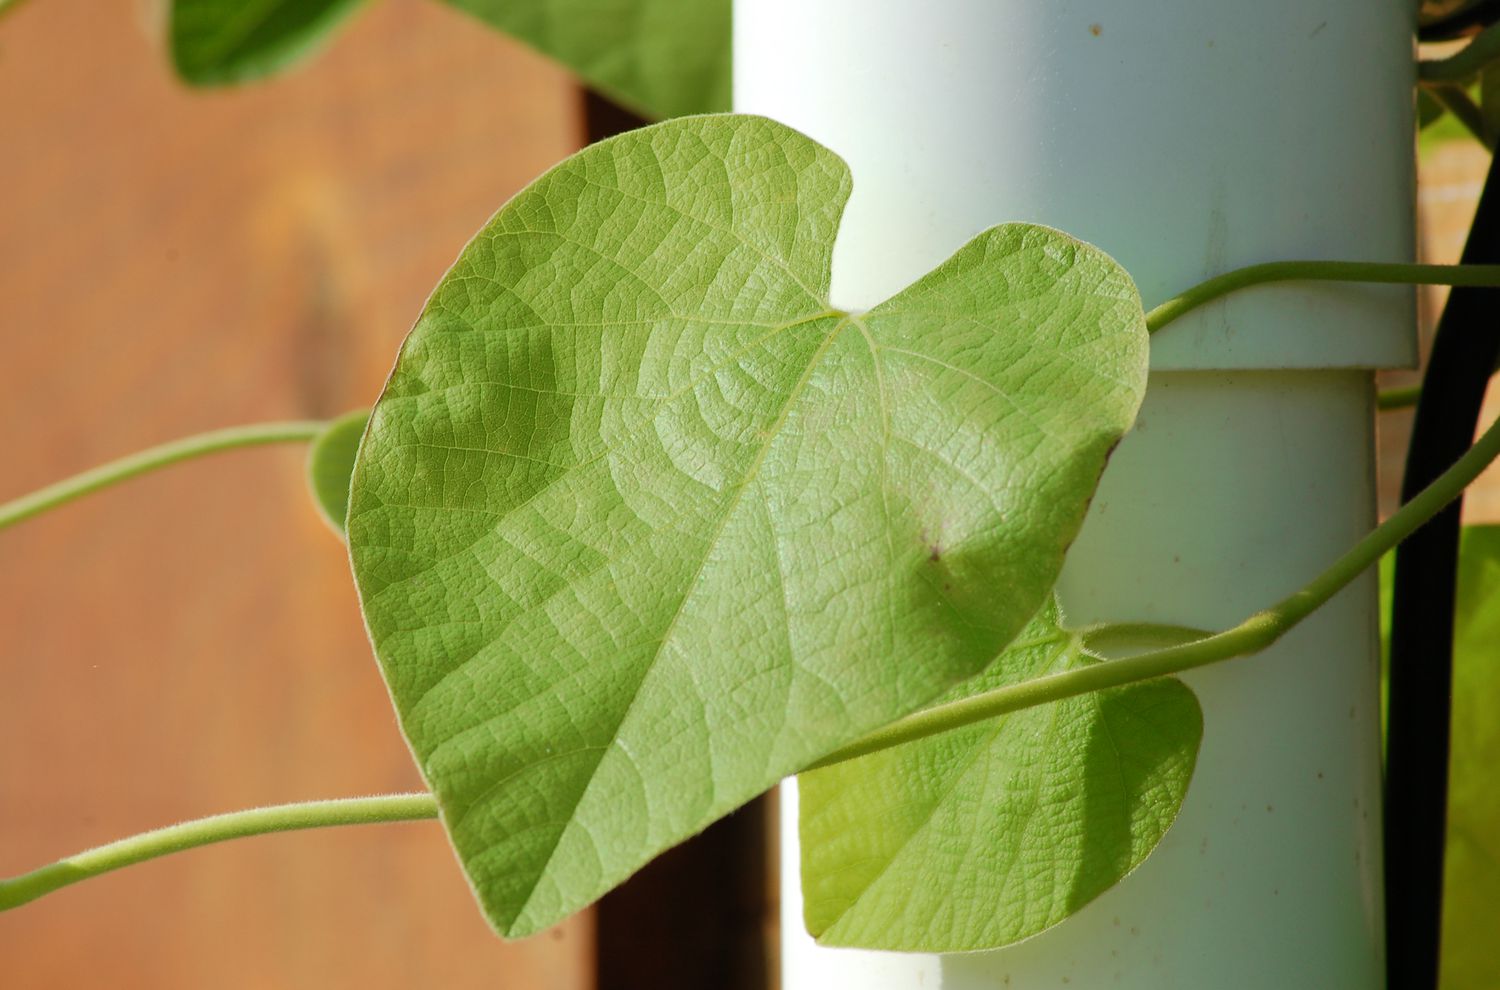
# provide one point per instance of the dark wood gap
(702, 916)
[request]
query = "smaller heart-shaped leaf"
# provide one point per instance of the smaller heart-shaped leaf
(988, 834)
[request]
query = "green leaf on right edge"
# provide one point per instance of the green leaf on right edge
(1470, 955)
(642, 524)
(662, 58)
(219, 42)
(988, 834)
(1470, 951)
(330, 464)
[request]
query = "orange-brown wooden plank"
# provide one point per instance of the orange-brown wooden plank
(173, 261)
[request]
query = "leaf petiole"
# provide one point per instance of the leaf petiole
(1111, 639)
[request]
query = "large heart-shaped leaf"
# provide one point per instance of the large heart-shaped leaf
(229, 41)
(662, 58)
(988, 834)
(642, 523)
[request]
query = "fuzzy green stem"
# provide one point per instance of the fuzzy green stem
(153, 458)
(1319, 271)
(1251, 636)
(205, 831)
(1466, 62)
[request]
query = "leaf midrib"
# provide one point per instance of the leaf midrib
(690, 586)
(678, 393)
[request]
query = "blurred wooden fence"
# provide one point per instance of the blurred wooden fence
(170, 262)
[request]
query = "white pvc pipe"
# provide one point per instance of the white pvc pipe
(1182, 136)
(1185, 137)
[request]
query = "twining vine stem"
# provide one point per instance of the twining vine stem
(1318, 271)
(1398, 398)
(1457, 101)
(205, 831)
(153, 458)
(1251, 636)
(1467, 62)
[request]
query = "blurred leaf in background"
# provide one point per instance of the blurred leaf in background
(216, 42)
(661, 58)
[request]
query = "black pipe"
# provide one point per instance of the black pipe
(1464, 355)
